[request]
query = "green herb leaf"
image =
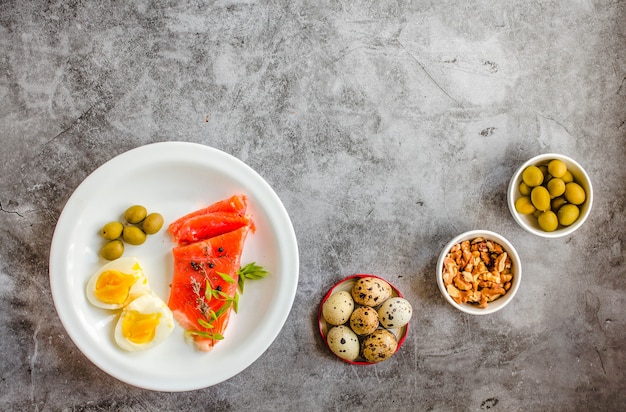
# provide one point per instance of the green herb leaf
(223, 295)
(213, 315)
(223, 309)
(189, 333)
(240, 283)
(208, 293)
(204, 324)
(207, 335)
(226, 277)
(236, 302)
(217, 336)
(250, 271)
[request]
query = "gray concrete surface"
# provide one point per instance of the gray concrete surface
(386, 128)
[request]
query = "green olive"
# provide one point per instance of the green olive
(540, 198)
(524, 189)
(567, 177)
(574, 193)
(532, 176)
(112, 230)
(524, 206)
(556, 187)
(548, 221)
(556, 203)
(557, 168)
(135, 214)
(152, 223)
(133, 235)
(112, 250)
(568, 214)
(546, 175)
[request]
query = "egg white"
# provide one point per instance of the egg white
(126, 265)
(148, 303)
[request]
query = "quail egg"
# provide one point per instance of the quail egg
(338, 308)
(379, 346)
(371, 291)
(117, 283)
(343, 342)
(144, 323)
(395, 313)
(364, 320)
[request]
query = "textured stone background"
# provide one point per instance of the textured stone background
(386, 128)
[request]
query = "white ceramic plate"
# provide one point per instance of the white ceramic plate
(173, 179)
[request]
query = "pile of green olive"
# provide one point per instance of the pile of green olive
(550, 194)
(138, 225)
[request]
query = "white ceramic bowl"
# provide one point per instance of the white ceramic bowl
(516, 271)
(528, 222)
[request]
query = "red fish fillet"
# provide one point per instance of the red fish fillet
(195, 265)
(234, 204)
(208, 225)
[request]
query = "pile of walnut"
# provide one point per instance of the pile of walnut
(477, 271)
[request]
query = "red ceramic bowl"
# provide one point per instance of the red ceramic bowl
(346, 285)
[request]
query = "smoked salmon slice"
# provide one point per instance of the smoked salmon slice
(234, 204)
(204, 287)
(205, 226)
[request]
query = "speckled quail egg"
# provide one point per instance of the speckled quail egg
(364, 320)
(144, 323)
(379, 346)
(395, 313)
(371, 291)
(117, 283)
(338, 308)
(343, 342)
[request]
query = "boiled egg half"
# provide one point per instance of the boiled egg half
(117, 283)
(144, 323)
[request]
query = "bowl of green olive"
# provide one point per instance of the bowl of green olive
(550, 195)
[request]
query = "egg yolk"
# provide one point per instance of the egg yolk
(140, 327)
(113, 287)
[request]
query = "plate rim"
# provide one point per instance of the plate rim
(58, 258)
